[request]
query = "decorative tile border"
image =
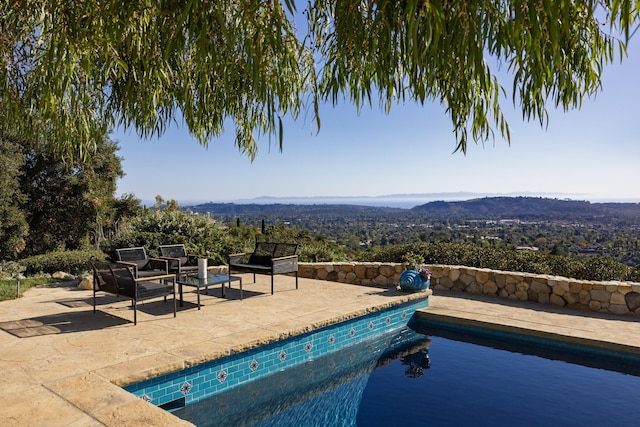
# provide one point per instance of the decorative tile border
(220, 375)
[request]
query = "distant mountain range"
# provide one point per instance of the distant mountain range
(404, 201)
(479, 208)
(528, 208)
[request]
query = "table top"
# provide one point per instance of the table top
(211, 279)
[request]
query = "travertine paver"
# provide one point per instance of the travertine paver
(61, 364)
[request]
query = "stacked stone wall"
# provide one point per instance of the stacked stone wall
(622, 298)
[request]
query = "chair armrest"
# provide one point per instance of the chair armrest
(236, 257)
(159, 264)
(172, 263)
(131, 265)
(284, 257)
(159, 277)
(285, 264)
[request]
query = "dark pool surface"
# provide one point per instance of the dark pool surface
(438, 377)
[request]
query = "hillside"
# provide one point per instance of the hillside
(529, 208)
(523, 208)
(576, 228)
(289, 210)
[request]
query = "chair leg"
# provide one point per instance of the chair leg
(135, 312)
(173, 291)
(271, 283)
(296, 280)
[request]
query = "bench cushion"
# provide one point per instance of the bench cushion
(260, 259)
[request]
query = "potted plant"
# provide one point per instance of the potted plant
(416, 277)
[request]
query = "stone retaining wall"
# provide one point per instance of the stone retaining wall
(609, 297)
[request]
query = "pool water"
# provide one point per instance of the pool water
(437, 377)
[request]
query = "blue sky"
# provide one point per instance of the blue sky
(587, 154)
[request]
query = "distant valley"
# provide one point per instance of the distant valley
(525, 208)
(563, 227)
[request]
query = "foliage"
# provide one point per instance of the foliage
(10, 268)
(78, 66)
(204, 236)
(73, 262)
(201, 235)
(48, 203)
(412, 260)
(121, 211)
(321, 252)
(67, 200)
(469, 255)
(13, 225)
(70, 70)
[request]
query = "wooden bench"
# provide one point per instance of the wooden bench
(267, 258)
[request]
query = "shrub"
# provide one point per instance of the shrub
(201, 235)
(73, 262)
(10, 268)
(471, 255)
(320, 252)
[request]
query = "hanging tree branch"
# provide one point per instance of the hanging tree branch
(71, 70)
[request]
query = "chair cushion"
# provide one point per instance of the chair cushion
(260, 259)
(141, 263)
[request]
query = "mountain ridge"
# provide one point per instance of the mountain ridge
(520, 207)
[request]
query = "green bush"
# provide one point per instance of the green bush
(72, 262)
(201, 235)
(149, 240)
(320, 252)
(9, 268)
(478, 256)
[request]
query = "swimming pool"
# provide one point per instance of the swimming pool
(202, 381)
(437, 376)
(375, 370)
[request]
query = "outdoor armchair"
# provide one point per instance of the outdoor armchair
(179, 260)
(267, 258)
(141, 265)
(118, 279)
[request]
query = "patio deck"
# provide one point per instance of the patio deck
(63, 365)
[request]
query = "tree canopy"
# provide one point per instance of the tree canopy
(69, 70)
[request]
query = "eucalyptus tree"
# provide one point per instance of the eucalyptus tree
(71, 69)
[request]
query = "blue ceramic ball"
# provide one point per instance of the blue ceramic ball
(410, 281)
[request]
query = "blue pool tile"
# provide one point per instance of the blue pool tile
(224, 374)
